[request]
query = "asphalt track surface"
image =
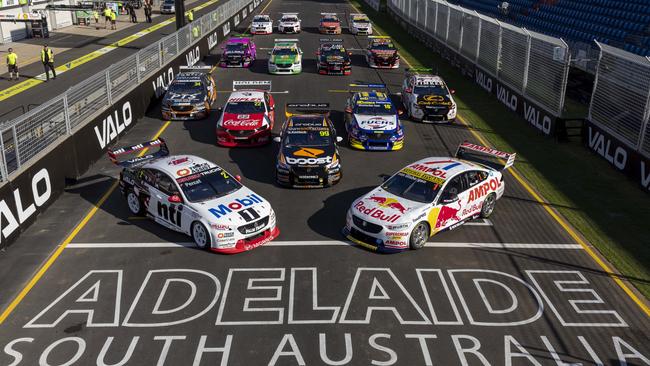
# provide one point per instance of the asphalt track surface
(514, 290)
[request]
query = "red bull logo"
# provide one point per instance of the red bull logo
(376, 213)
(389, 203)
(448, 214)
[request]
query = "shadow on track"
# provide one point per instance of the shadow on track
(333, 212)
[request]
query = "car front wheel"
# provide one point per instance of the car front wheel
(200, 235)
(419, 235)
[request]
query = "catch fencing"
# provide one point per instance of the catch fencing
(533, 65)
(620, 102)
(23, 138)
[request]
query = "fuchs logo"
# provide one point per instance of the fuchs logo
(225, 209)
(113, 125)
(376, 213)
(213, 40)
(41, 192)
(389, 203)
(376, 123)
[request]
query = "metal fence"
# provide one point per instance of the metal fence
(23, 138)
(620, 103)
(535, 65)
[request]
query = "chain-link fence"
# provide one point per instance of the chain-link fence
(620, 101)
(533, 64)
(23, 138)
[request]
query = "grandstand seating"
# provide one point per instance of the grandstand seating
(620, 23)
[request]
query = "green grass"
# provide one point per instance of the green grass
(609, 210)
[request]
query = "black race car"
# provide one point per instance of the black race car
(190, 95)
(308, 156)
(382, 53)
(333, 58)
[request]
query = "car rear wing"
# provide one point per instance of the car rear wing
(352, 15)
(205, 69)
(493, 158)
(283, 14)
(331, 40)
(286, 40)
(292, 109)
(420, 71)
(361, 87)
(264, 85)
(134, 149)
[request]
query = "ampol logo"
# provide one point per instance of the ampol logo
(389, 203)
(224, 209)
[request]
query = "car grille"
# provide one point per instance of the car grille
(241, 133)
(284, 66)
(254, 226)
(308, 175)
(380, 137)
(234, 58)
(182, 108)
(288, 29)
(363, 237)
(366, 226)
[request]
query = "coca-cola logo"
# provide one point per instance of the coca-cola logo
(241, 123)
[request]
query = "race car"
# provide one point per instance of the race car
(190, 95)
(289, 23)
(381, 53)
(372, 121)
(248, 116)
(427, 98)
(329, 24)
(238, 52)
(360, 24)
(286, 57)
(194, 196)
(428, 196)
(332, 58)
(262, 24)
(308, 156)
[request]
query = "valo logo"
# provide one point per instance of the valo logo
(113, 125)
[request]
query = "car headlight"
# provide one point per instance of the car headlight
(363, 137)
(282, 163)
(335, 164)
(297, 62)
(397, 227)
(271, 63)
(355, 130)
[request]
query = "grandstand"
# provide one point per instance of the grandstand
(620, 23)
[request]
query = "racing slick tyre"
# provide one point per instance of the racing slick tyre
(488, 205)
(135, 204)
(200, 235)
(419, 235)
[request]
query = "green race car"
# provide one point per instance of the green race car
(286, 57)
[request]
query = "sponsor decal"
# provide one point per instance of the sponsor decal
(193, 56)
(508, 99)
(170, 213)
(220, 227)
(394, 243)
(178, 161)
(309, 152)
(532, 115)
(447, 214)
(213, 40)
(388, 202)
(482, 189)
(241, 123)
(396, 234)
(440, 179)
(225, 235)
(236, 205)
(161, 82)
(309, 161)
(183, 172)
(601, 144)
(41, 193)
(113, 125)
(483, 80)
(376, 213)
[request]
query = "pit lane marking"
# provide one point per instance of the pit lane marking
(53, 257)
(310, 243)
(615, 276)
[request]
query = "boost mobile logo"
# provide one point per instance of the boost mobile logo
(309, 152)
(310, 161)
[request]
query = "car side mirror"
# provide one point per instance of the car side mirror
(452, 91)
(384, 177)
(449, 198)
(277, 139)
(400, 111)
(271, 108)
(238, 178)
(339, 138)
(175, 199)
(348, 109)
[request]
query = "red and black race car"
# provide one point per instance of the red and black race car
(382, 53)
(333, 58)
(248, 116)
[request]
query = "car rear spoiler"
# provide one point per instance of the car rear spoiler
(292, 109)
(361, 87)
(205, 69)
(482, 154)
(331, 40)
(136, 160)
(286, 40)
(420, 71)
(238, 85)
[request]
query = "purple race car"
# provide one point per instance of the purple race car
(238, 52)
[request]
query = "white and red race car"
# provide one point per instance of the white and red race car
(427, 197)
(248, 116)
(194, 196)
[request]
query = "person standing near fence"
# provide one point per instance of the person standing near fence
(134, 17)
(107, 16)
(12, 64)
(190, 16)
(96, 17)
(147, 11)
(47, 57)
(113, 20)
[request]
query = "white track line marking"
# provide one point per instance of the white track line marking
(307, 243)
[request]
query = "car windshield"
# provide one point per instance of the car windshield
(307, 138)
(185, 87)
(375, 109)
(334, 52)
(252, 107)
(208, 185)
(168, 2)
(361, 20)
(430, 90)
(330, 20)
(261, 19)
(383, 46)
(236, 47)
(285, 51)
(290, 19)
(411, 188)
